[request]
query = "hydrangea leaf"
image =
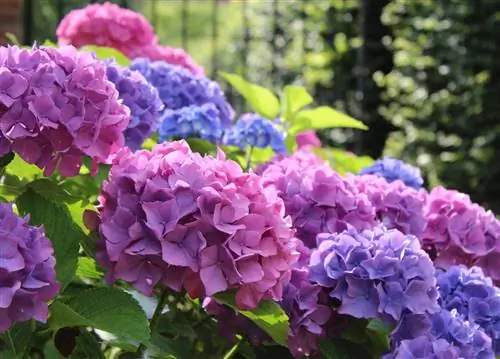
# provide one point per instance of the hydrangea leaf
(323, 117)
(5, 160)
(260, 99)
(59, 228)
(12, 38)
(294, 99)
(342, 349)
(200, 145)
(104, 53)
(16, 341)
(23, 170)
(87, 268)
(52, 191)
(268, 316)
(107, 309)
(343, 161)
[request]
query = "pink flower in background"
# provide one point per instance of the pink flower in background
(308, 138)
(106, 25)
(171, 55)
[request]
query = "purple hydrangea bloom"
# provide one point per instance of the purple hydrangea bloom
(180, 88)
(472, 295)
(381, 274)
(396, 205)
(27, 274)
(192, 121)
(141, 98)
(317, 198)
(252, 130)
(424, 347)
(196, 223)
(392, 170)
(57, 106)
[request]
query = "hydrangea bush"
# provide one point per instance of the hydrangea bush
(141, 217)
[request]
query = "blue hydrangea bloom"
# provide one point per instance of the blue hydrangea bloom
(473, 295)
(392, 169)
(424, 347)
(192, 121)
(141, 98)
(252, 130)
(382, 274)
(179, 88)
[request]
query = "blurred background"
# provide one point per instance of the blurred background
(424, 75)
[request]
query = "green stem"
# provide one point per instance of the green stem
(11, 343)
(249, 159)
(155, 318)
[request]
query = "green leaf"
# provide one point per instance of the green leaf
(87, 346)
(5, 160)
(179, 348)
(260, 155)
(260, 99)
(104, 53)
(59, 228)
(343, 161)
(294, 98)
(24, 170)
(323, 117)
(201, 146)
(12, 38)
(106, 309)
(268, 316)
(342, 349)
(16, 340)
(49, 43)
(87, 268)
(52, 191)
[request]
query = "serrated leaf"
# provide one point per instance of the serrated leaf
(104, 53)
(52, 191)
(323, 117)
(59, 228)
(294, 98)
(16, 340)
(107, 309)
(260, 99)
(87, 268)
(268, 316)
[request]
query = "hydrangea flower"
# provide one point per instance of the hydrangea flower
(472, 295)
(173, 56)
(193, 222)
(392, 169)
(375, 274)
(252, 130)
(317, 198)
(27, 273)
(424, 347)
(302, 159)
(106, 25)
(141, 98)
(462, 232)
(57, 106)
(179, 88)
(192, 121)
(308, 138)
(396, 205)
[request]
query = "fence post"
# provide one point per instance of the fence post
(10, 18)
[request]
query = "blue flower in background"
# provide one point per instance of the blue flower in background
(192, 121)
(179, 88)
(392, 169)
(252, 130)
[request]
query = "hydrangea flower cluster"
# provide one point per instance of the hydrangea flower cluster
(317, 198)
(141, 98)
(396, 205)
(393, 169)
(106, 25)
(380, 274)
(179, 88)
(173, 56)
(56, 106)
(308, 138)
(192, 121)
(424, 347)
(462, 232)
(252, 130)
(193, 222)
(27, 273)
(472, 295)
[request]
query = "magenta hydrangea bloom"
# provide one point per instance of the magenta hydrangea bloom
(193, 222)
(461, 232)
(27, 274)
(308, 138)
(396, 205)
(317, 198)
(106, 25)
(173, 56)
(57, 106)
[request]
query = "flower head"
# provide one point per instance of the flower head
(173, 56)
(106, 25)
(392, 169)
(57, 106)
(193, 222)
(424, 347)
(27, 273)
(252, 130)
(141, 98)
(179, 88)
(308, 138)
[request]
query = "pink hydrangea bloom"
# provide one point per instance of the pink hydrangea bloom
(106, 25)
(173, 56)
(308, 138)
(57, 106)
(462, 232)
(193, 222)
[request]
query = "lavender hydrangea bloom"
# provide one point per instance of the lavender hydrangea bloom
(252, 130)
(27, 274)
(424, 347)
(381, 274)
(392, 169)
(192, 121)
(180, 88)
(141, 98)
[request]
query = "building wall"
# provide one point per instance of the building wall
(10, 19)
